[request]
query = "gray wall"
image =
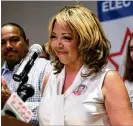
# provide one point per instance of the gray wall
(34, 16)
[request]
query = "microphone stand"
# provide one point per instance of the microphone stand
(23, 81)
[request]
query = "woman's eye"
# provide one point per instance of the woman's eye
(131, 49)
(67, 38)
(52, 36)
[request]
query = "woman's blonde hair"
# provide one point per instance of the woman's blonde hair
(93, 45)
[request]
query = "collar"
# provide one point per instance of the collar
(5, 68)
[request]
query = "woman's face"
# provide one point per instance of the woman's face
(64, 44)
(131, 49)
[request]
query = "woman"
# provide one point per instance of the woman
(81, 90)
(128, 74)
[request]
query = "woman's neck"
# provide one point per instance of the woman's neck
(73, 67)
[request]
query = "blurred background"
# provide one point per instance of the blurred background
(34, 16)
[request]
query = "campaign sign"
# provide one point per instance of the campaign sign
(116, 18)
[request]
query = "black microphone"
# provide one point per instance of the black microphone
(27, 63)
(25, 91)
(16, 107)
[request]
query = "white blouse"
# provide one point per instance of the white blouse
(81, 104)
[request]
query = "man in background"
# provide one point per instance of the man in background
(14, 47)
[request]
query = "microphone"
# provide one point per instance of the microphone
(27, 63)
(16, 107)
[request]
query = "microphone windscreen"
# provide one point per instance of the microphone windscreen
(37, 48)
(17, 108)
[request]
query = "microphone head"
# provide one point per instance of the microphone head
(27, 62)
(37, 48)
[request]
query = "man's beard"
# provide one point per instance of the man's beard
(11, 64)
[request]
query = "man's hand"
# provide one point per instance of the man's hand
(5, 92)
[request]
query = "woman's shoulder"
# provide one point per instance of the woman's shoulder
(109, 73)
(113, 80)
(113, 76)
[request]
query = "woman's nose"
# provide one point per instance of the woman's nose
(60, 44)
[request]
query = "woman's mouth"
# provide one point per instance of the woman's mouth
(61, 52)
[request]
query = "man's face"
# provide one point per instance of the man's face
(13, 46)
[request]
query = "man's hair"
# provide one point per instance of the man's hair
(21, 30)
